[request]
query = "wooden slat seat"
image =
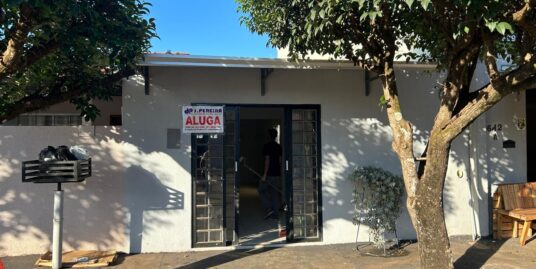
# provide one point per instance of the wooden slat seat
(517, 201)
(520, 213)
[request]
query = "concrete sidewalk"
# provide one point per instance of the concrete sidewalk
(468, 254)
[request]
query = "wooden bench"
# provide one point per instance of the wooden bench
(518, 203)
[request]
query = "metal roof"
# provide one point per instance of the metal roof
(243, 62)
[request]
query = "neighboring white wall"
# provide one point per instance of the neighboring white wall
(107, 108)
(94, 211)
(507, 165)
(282, 53)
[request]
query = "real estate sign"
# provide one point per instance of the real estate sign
(202, 119)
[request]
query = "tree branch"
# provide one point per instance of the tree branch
(36, 53)
(525, 85)
(517, 80)
(486, 98)
(522, 18)
(402, 131)
(490, 60)
(465, 94)
(37, 101)
(20, 61)
(457, 82)
(15, 45)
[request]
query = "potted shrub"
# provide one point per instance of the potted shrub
(377, 197)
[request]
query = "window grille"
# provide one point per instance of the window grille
(46, 120)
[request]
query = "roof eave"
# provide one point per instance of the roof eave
(165, 60)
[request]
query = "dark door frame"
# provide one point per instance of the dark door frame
(287, 140)
(193, 144)
(289, 176)
(530, 126)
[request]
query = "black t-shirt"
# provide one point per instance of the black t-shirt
(274, 151)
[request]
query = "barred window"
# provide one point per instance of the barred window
(46, 120)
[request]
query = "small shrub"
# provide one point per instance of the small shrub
(376, 197)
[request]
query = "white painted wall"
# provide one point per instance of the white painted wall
(139, 198)
(354, 132)
(94, 211)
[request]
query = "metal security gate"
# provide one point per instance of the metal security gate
(303, 174)
(214, 173)
(215, 177)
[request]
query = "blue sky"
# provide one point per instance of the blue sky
(205, 27)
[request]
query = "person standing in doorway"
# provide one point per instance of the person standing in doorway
(269, 195)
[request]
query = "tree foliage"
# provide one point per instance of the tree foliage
(454, 34)
(54, 51)
(362, 29)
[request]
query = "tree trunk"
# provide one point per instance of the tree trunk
(424, 192)
(427, 209)
(428, 215)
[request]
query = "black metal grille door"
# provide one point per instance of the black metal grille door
(230, 155)
(213, 176)
(305, 174)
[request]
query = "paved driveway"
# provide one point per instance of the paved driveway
(468, 254)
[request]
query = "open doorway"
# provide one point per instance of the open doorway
(255, 226)
(531, 132)
(226, 208)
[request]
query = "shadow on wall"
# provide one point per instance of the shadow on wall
(352, 135)
(93, 210)
(97, 215)
(147, 193)
(365, 140)
(362, 141)
(355, 134)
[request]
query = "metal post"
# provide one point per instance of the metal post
(57, 228)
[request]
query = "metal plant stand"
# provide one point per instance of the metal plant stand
(395, 249)
(56, 172)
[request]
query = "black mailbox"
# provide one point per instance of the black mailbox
(56, 171)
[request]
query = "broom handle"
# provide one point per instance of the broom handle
(253, 171)
(257, 174)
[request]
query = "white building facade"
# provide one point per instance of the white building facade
(149, 193)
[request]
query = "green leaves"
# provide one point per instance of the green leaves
(377, 197)
(372, 15)
(73, 46)
(361, 3)
(500, 27)
(354, 29)
(383, 102)
(409, 2)
(491, 25)
(322, 13)
(503, 26)
(425, 3)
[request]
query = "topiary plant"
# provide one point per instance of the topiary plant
(376, 197)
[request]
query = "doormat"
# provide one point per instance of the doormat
(80, 259)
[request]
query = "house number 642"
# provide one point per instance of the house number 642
(494, 127)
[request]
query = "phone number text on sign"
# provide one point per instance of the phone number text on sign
(202, 119)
